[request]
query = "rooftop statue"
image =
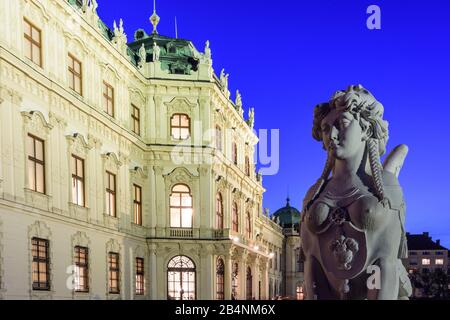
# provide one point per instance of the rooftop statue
(353, 218)
(224, 80)
(156, 52)
(142, 56)
(207, 51)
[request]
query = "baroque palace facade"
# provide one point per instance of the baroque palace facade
(126, 171)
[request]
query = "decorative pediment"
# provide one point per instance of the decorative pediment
(36, 123)
(76, 46)
(179, 175)
(180, 105)
(78, 144)
(80, 239)
(139, 251)
(111, 160)
(40, 230)
(137, 97)
(138, 173)
(110, 74)
(113, 246)
(35, 11)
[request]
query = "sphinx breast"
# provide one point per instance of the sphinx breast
(366, 213)
(316, 216)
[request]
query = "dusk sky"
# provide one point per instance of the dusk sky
(287, 56)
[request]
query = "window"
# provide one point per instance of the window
(234, 155)
(426, 253)
(33, 43)
(136, 119)
(40, 264)
(81, 269)
(218, 138)
(235, 217)
(439, 262)
(219, 211)
(439, 253)
(36, 164)
(108, 99)
(235, 281)
(110, 194)
(75, 74)
(181, 211)
(137, 204)
(247, 166)
(299, 293)
(248, 225)
(181, 274)
(426, 262)
(140, 282)
(249, 284)
(114, 273)
(180, 126)
(78, 181)
(220, 279)
(413, 253)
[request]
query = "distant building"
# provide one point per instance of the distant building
(292, 278)
(425, 256)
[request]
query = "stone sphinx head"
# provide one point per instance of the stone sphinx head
(352, 124)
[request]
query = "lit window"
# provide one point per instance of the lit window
(299, 292)
(439, 261)
(180, 126)
(137, 204)
(220, 279)
(426, 262)
(234, 153)
(81, 279)
(136, 119)
(235, 217)
(78, 181)
(75, 74)
(33, 43)
(114, 272)
(110, 194)
(219, 211)
(36, 164)
(40, 264)
(218, 138)
(181, 210)
(108, 99)
(140, 282)
(181, 274)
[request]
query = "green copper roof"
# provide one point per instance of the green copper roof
(287, 216)
(176, 55)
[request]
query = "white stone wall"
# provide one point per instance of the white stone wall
(38, 100)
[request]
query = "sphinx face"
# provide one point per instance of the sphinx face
(342, 135)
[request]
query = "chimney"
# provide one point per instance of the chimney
(438, 242)
(426, 234)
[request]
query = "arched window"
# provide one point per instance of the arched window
(235, 282)
(247, 166)
(220, 280)
(299, 292)
(249, 286)
(235, 217)
(181, 279)
(219, 211)
(181, 211)
(180, 126)
(234, 153)
(218, 138)
(248, 225)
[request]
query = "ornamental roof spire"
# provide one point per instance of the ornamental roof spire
(154, 19)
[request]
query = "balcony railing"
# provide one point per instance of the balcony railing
(181, 233)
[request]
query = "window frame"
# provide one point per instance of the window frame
(248, 225)
(109, 99)
(180, 127)
(136, 119)
(35, 161)
(78, 179)
(37, 261)
(247, 166)
(113, 269)
(74, 74)
(180, 207)
(219, 212)
(111, 193)
(33, 42)
(220, 279)
(140, 276)
(85, 266)
(234, 153)
(235, 217)
(137, 205)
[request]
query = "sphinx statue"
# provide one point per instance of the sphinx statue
(353, 217)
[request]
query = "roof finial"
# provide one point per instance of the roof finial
(154, 19)
(287, 199)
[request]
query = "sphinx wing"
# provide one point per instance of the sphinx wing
(394, 161)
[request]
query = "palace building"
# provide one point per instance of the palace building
(126, 171)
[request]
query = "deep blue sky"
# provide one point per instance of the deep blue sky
(287, 56)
